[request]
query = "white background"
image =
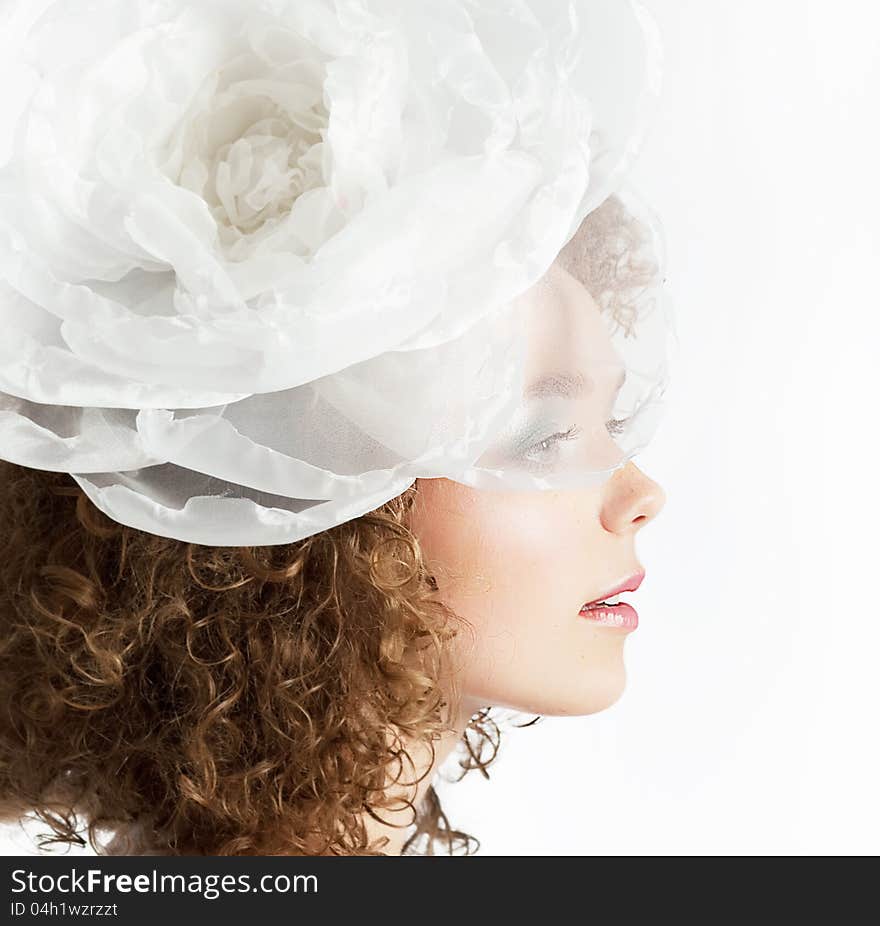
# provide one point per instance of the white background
(749, 723)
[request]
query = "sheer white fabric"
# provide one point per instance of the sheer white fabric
(263, 264)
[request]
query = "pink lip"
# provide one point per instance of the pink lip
(627, 585)
(622, 615)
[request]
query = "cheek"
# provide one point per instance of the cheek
(533, 558)
(508, 560)
(516, 567)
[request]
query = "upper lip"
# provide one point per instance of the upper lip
(627, 585)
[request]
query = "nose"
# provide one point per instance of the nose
(631, 500)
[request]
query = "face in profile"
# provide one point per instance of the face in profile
(519, 565)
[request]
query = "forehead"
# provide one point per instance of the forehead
(567, 333)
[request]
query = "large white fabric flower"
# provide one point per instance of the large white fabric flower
(255, 254)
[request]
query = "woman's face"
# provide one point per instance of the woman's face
(519, 565)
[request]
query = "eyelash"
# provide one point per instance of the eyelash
(570, 434)
(614, 426)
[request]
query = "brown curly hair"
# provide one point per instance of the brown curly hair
(202, 700)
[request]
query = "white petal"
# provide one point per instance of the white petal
(173, 502)
(60, 438)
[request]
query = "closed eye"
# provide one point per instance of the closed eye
(544, 446)
(614, 426)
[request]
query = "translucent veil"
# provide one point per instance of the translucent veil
(263, 265)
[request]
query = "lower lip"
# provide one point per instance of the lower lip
(622, 616)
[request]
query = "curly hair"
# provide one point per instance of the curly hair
(614, 255)
(202, 700)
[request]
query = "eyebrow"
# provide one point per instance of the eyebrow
(567, 385)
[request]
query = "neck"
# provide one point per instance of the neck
(397, 822)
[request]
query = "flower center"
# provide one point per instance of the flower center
(253, 150)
